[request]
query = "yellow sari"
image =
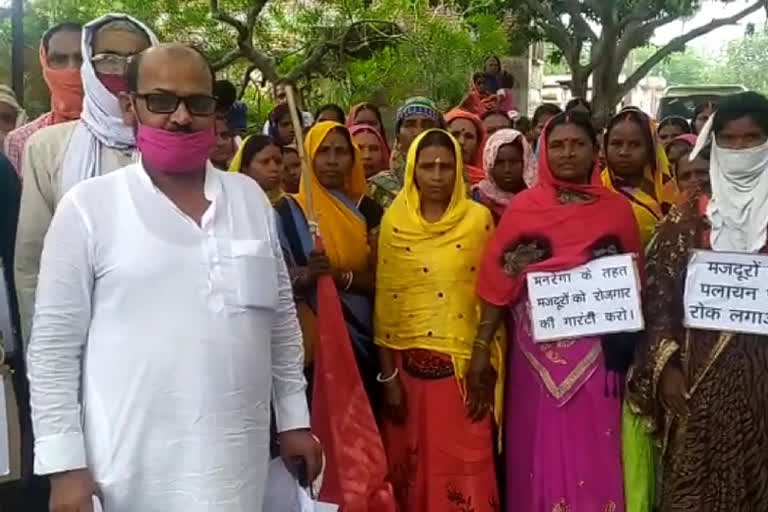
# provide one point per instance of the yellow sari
(426, 276)
(343, 231)
(648, 210)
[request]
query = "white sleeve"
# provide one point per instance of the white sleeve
(59, 331)
(288, 384)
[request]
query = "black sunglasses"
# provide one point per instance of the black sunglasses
(165, 103)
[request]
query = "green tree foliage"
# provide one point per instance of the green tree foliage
(595, 38)
(684, 68)
(746, 62)
(339, 50)
(436, 58)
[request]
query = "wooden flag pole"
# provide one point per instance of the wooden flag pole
(298, 129)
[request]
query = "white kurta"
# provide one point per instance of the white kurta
(156, 344)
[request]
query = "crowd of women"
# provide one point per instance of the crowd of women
(429, 233)
(429, 238)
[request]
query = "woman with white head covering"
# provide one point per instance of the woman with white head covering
(12, 115)
(510, 167)
(101, 122)
(704, 391)
(58, 157)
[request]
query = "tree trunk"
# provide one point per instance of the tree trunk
(17, 49)
(580, 84)
(604, 97)
(605, 88)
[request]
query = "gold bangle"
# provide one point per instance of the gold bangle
(482, 344)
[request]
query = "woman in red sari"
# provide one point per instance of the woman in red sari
(562, 411)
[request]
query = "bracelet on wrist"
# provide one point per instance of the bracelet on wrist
(382, 380)
(350, 276)
(482, 344)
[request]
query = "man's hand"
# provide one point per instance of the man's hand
(301, 444)
(319, 264)
(72, 491)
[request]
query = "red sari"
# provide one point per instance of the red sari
(443, 462)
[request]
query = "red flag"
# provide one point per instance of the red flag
(356, 465)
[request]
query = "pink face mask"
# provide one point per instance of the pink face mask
(114, 83)
(174, 152)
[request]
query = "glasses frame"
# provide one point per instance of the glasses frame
(118, 69)
(179, 101)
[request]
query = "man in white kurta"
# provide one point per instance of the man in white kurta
(159, 338)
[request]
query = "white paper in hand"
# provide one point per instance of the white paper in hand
(284, 494)
(97, 504)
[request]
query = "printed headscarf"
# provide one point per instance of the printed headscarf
(8, 97)
(421, 106)
(494, 197)
(101, 123)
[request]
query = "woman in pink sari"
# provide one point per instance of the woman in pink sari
(562, 418)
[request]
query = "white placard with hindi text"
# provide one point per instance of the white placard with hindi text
(600, 297)
(726, 291)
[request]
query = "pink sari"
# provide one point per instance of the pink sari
(562, 425)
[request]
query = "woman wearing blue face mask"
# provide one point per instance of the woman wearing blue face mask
(705, 390)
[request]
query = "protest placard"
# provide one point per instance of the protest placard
(600, 297)
(727, 291)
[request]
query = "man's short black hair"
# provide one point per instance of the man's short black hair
(545, 109)
(226, 94)
(67, 26)
(134, 65)
(746, 104)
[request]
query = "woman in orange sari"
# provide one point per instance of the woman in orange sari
(468, 129)
(431, 245)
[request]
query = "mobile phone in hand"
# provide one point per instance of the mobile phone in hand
(297, 465)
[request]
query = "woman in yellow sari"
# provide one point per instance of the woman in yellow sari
(348, 224)
(261, 159)
(638, 169)
(430, 248)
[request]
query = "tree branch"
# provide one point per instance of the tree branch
(574, 9)
(245, 38)
(242, 31)
(679, 43)
(553, 26)
(227, 59)
(246, 80)
(638, 34)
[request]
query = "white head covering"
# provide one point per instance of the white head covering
(7, 96)
(738, 210)
(101, 122)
